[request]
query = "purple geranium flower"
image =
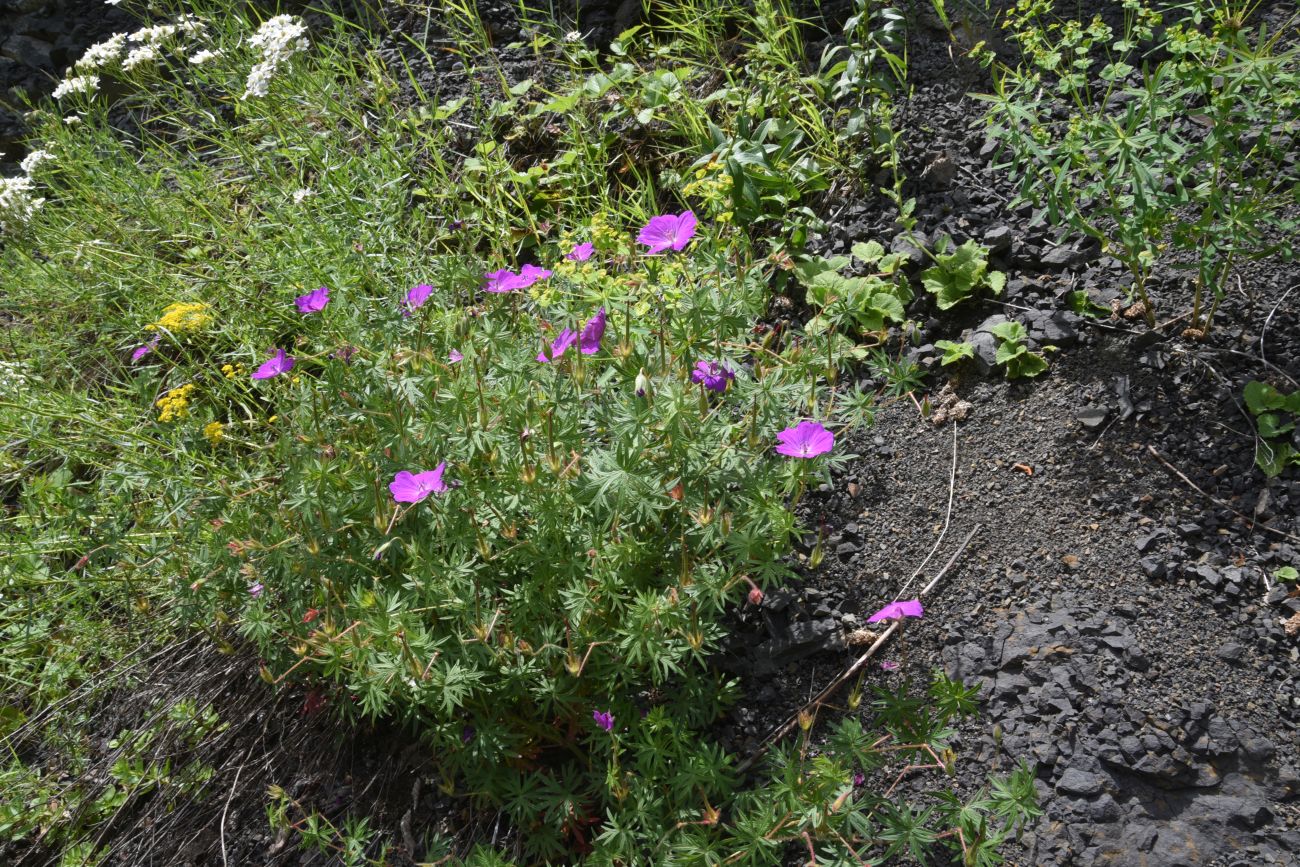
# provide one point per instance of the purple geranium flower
(889, 665)
(255, 590)
(592, 332)
(898, 610)
(416, 297)
(530, 274)
(314, 301)
(558, 346)
(807, 439)
(454, 356)
(581, 253)
(712, 375)
(142, 351)
(274, 366)
(413, 487)
(668, 231)
(504, 280)
(604, 719)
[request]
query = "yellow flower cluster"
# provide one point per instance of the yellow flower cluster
(175, 404)
(183, 317)
(603, 234)
(215, 431)
(230, 371)
(713, 187)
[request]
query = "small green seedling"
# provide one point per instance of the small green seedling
(954, 352)
(865, 303)
(957, 274)
(1286, 573)
(1275, 417)
(1014, 354)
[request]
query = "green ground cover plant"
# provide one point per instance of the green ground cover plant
(465, 434)
(1180, 149)
(1276, 414)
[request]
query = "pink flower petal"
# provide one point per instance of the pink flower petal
(558, 346)
(592, 333)
(408, 487)
(275, 365)
(314, 301)
(581, 253)
(808, 439)
(898, 610)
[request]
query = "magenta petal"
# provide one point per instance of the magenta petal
(558, 346)
(898, 610)
(408, 487)
(712, 375)
(807, 439)
(314, 301)
(274, 366)
(530, 274)
(405, 489)
(454, 356)
(416, 297)
(503, 280)
(685, 230)
(668, 231)
(142, 351)
(581, 253)
(658, 233)
(592, 333)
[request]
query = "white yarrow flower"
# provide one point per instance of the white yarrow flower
(282, 36)
(155, 34)
(14, 377)
(259, 79)
(279, 39)
(34, 159)
(103, 53)
(17, 204)
(140, 56)
(77, 84)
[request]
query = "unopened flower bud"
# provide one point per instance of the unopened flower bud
(642, 384)
(755, 597)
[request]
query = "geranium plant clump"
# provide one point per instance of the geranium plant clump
(566, 562)
(447, 452)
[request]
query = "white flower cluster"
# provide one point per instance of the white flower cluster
(34, 159)
(103, 53)
(155, 34)
(201, 57)
(278, 39)
(17, 204)
(76, 84)
(148, 42)
(140, 56)
(14, 377)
